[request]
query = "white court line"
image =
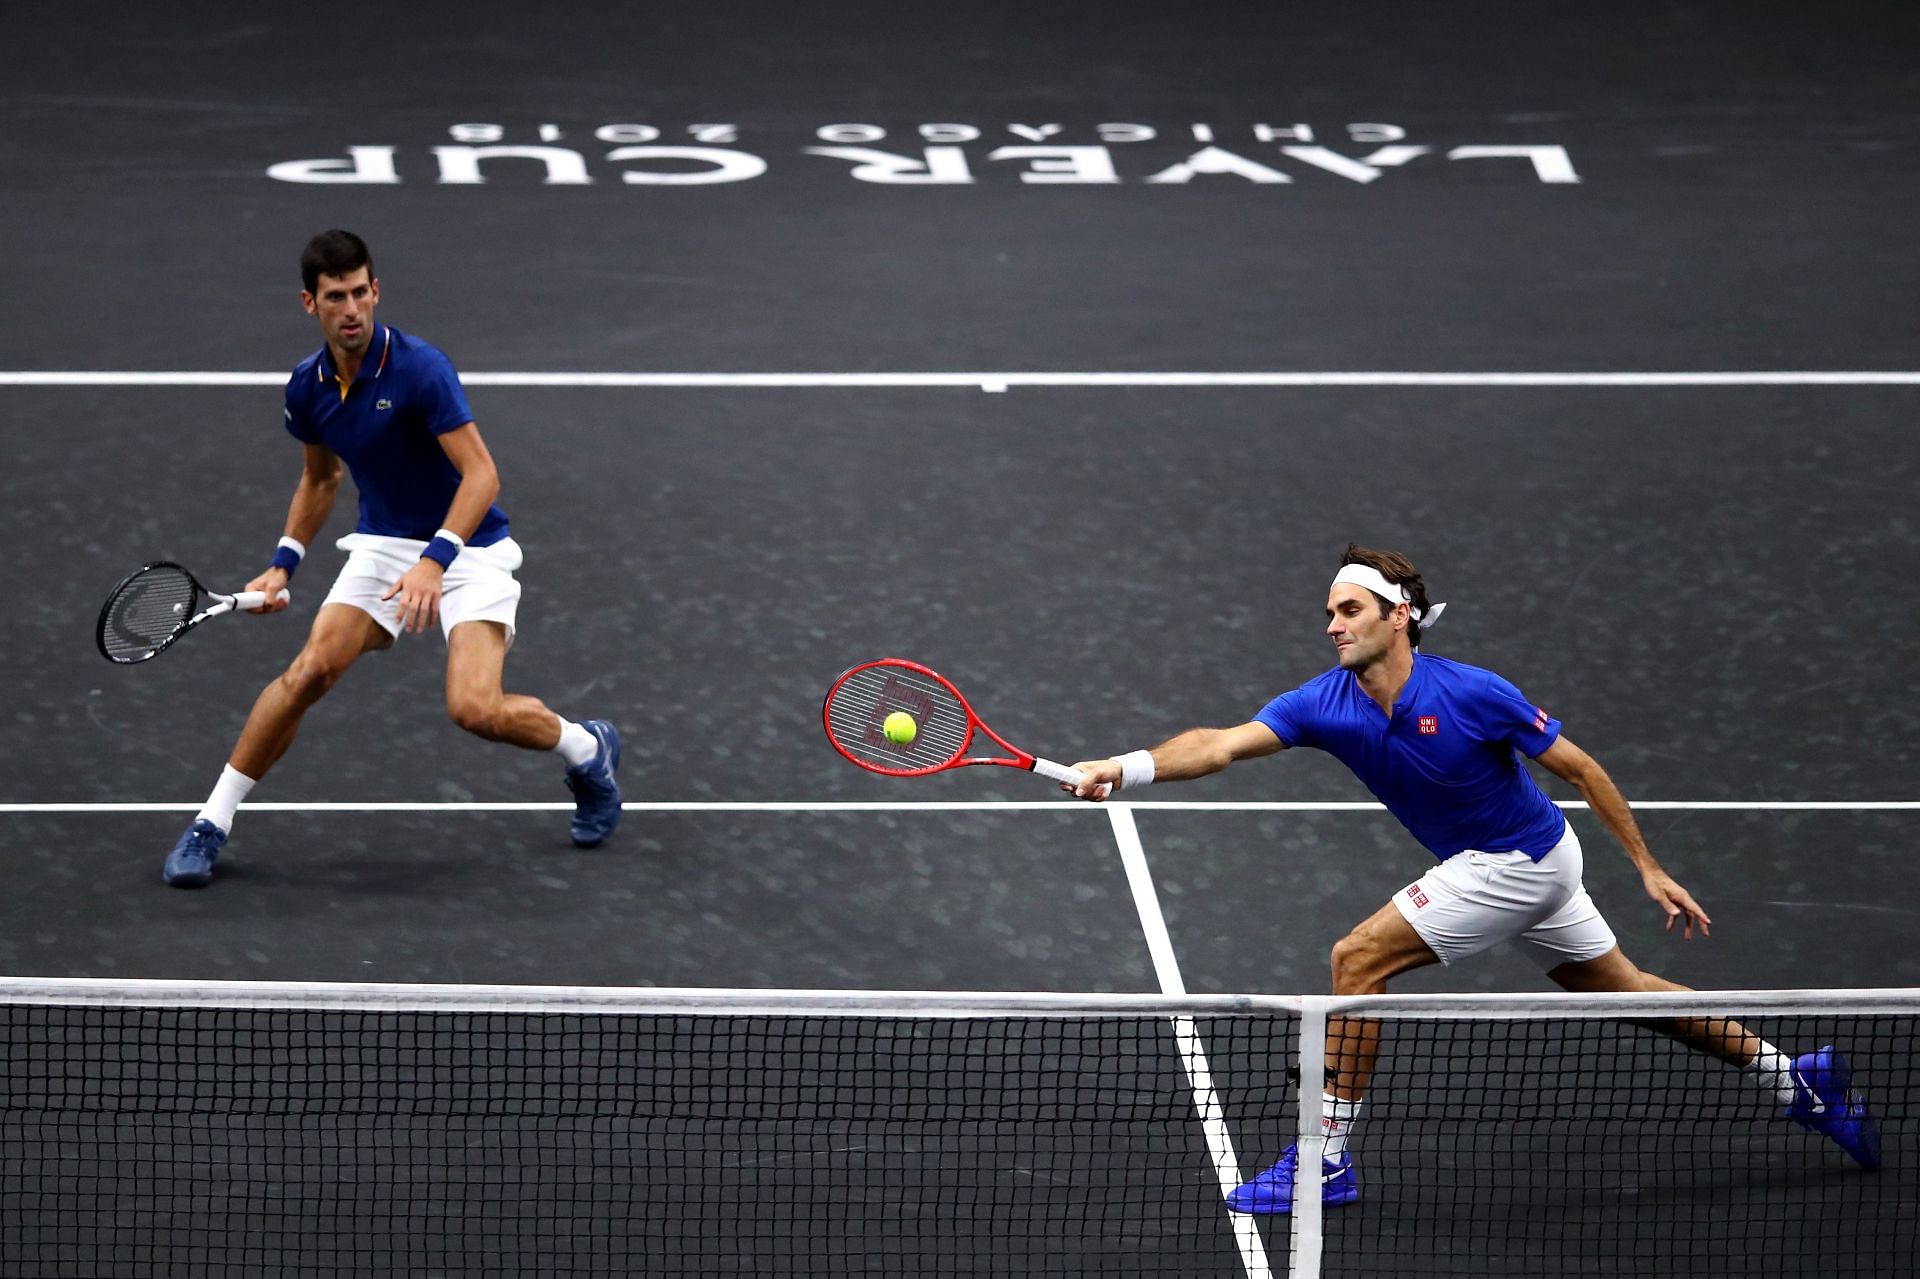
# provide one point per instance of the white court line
(1193, 1054)
(927, 806)
(992, 381)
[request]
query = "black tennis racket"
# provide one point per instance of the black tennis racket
(864, 699)
(149, 611)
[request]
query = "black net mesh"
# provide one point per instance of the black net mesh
(229, 1142)
(1600, 1147)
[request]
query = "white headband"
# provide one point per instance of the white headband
(1392, 592)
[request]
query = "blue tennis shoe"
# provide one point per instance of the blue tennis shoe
(596, 795)
(190, 864)
(1824, 1102)
(1272, 1191)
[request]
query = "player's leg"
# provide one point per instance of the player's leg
(1580, 953)
(341, 633)
(478, 703)
(1379, 949)
(1720, 1037)
(476, 662)
(1468, 903)
(1813, 1089)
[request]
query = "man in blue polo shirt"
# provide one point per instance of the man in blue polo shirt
(431, 546)
(1439, 743)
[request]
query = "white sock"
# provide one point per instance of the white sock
(227, 794)
(577, 746)
(1771, 1070)
(1336, 1118)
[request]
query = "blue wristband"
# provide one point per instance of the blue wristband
(441, 551)
(287, 556)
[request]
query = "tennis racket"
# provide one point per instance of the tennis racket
(155, 606)
(858, 704)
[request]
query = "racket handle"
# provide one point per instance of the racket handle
(247, 601)
(1057, 772)
(1068, 776)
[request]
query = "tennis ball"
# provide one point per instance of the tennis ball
(900, 728)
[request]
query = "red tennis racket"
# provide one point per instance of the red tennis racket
(860, 701)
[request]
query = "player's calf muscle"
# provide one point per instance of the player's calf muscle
(513, 718)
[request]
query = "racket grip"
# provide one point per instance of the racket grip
(1068, 776)
(1057, 772)
(247, 601)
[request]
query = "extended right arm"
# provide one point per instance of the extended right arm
(306, 515)
(1194, 753)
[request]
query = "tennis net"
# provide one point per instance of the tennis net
(227, 1129)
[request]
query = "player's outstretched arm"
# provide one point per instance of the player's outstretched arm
(307, 513)
(1573, 765)
(1194, 753)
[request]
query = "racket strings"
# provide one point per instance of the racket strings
(858, 709)
(147, 611)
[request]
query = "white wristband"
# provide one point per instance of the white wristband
(295, 545)
(453, 537)
(1136, 769)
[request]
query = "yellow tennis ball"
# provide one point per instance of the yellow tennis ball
(900, 728)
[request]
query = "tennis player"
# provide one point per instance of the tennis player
(430, 547)
(1439, 743)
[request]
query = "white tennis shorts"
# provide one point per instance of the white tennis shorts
(480, 587)
(1473, 901)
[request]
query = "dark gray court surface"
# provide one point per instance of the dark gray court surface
(1711, 585)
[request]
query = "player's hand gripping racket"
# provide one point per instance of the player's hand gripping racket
(155, 606)
(902, 719)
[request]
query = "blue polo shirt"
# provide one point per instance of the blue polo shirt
(1447, 764)
(386, 428)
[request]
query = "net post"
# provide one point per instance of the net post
(1309, 1140)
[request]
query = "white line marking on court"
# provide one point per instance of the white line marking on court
(927, 806)
(1133, 855)
(1001, 381)
(1193, 1054)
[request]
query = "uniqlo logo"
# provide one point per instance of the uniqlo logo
(1429, 724)
(1419, 898)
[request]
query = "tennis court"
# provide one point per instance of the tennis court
(1062, 351)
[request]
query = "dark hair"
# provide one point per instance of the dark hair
(335, 253)
(1398, 569)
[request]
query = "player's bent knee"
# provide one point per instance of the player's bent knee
(310, 676)
(1353, 962)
